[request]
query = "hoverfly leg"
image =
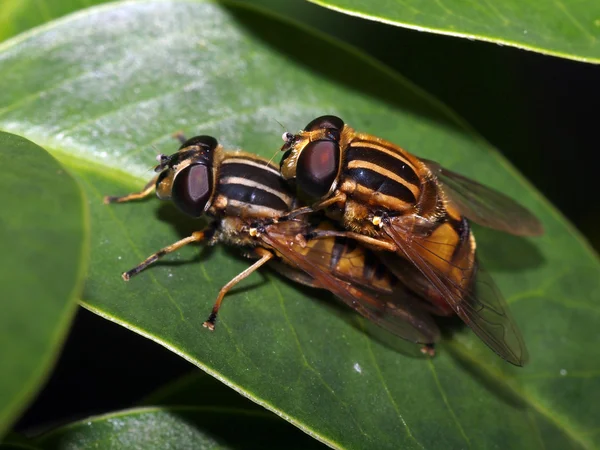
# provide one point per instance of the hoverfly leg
(265, 256)
(338, 198)
(145, 192)
(371, 242)
(297, 212)
(195, 237)
(428, 350)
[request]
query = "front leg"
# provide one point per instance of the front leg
(339, 198)
(265, 256)
(197, 236)
(145, 192)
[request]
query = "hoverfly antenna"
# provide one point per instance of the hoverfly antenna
(280, 124)
(272, 157)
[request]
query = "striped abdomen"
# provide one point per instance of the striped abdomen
(381, 174)
(252, 187)
(449, 248)
(349, 261)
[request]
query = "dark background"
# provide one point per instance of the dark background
(541, 112)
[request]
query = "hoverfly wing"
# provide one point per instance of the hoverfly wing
(484, 205)
(291, 273)
(479, 303)
(396, 311)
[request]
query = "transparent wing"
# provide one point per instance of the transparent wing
(397, 311)
(473, 297)
(484, 205)
(292, 273)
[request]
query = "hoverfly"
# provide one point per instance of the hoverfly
(245, 195)
(391, 200)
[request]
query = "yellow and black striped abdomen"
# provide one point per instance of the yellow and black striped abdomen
(349, 261)
(380, 175)
(252, 187)
(450, 248)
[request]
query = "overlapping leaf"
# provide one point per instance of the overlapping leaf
(107, 88)
(178, 427)
(42, 264)
(555, 27)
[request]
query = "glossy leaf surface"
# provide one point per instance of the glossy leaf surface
(178, 427)
(559, 28)
(108, 87)
(42, 264)
(17, 16)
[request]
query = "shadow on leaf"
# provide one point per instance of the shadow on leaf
(330, 60)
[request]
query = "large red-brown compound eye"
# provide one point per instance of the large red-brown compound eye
(327, 122)
(192, 189)
(318, 167)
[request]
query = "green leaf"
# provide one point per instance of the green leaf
(566, 29)
(14, 441)
(42, 237)
(106, 89)
(207, 395)
(20, 15)
(178, 427)
(198, 389)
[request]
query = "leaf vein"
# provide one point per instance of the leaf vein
(310, 367)
(447, 403)
(386, 388)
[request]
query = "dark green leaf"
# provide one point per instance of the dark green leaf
(198, 389)
(14, 441)
(178, 427)
(42, 235)
(566, 29)
(106, 89)
(207, 395)
(18, 446)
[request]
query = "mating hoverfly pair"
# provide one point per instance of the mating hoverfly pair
(394, 243)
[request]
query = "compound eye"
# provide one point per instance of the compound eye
(327, 122)
(317, 167)
(203, 141)
(192, 188)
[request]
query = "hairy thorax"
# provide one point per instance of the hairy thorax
(233, 231)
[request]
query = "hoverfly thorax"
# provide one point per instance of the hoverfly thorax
(188, 176)
(313, 157)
